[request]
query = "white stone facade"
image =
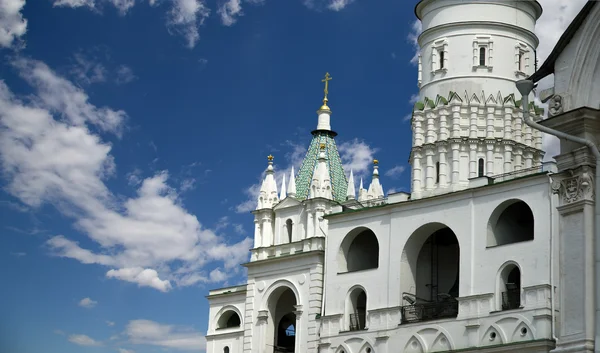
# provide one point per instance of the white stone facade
(478, 257)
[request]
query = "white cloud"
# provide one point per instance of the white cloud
(87, 303)
(110, 323)
(333, 5)
(395, 172)
(357, 156)
(250, 203)
(12, 24)
(123, 350)
(188, 184)
(229, 10)
(87, 70)
(75, 3)
(121, 5)
(49, 155)
(143, 277)
(124, 74)
(413, 37)
(148, 332)
(185, 17)
(83, 340)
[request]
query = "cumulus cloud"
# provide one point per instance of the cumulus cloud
(12, 24)
(413, 37)
(83, 340)
(185, 17)
(122, 6)
(148, 332)
(87, 303)
(49, 154)
(357, 156)
(143, 277)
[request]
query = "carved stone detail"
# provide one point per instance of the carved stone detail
(572, 188)
(555, 105)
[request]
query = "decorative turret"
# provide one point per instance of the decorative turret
(375, 191)
(351, 193)
(321, 183)
(267, 197)
(292, 186)
(362, 193)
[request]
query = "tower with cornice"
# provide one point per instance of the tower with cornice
(466, 123)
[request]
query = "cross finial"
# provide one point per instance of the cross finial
(326, 80)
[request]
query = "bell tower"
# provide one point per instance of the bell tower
(467, 122)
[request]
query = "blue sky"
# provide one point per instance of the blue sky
(133, 135)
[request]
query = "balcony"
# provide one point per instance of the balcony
(357, 321)
(426, 311)
(511, 299)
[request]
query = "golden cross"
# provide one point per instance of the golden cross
(326, 80)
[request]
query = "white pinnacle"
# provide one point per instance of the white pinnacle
(283, 194)
(292, 184)
(351, 193)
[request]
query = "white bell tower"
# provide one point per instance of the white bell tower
(467, 122)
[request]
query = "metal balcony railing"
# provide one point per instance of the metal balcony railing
(511, 299)
(357, 321)
(430, 311)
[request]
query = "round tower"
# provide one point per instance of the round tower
(467, 122)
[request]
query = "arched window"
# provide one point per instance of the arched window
(482, 56)
(430, 274)
(229, 319)
(520, 61)
(510, 287)
(511, 222)
(226, 349)
(356, 307)
(481, 167)
(437, 172)
(359, 251)
(289, 225)
(441, 58)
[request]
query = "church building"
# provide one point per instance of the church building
(492, 250)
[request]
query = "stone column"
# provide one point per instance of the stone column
(576, 243)
(507, 158)
(257, 233)
(442, 150)
(262, 322)
(489, 158)
(416, 164)
(455, 162)
(267, 231)
(473, 121)
(310, 224)
(472, 159)
(300, 334)
(430, 172)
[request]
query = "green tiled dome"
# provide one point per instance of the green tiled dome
(339, 183)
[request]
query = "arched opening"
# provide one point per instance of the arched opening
(430, 274)
(226, 349)
(480, 167)
(229, 319)
(356, 309)
(282, 321)
(359, 251)
(288, 226)
(482, 56)
(510, 287)
(511, 222)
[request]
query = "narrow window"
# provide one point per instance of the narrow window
(482, 56)
(437, 172)
(226, 349)
(441, 52)
(481, 167)
(289, 225)
(521, 61)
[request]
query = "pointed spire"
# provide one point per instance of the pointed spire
(362, 193)
(375, 189)
(292, 184)
(321, 183)
(267, 197)
(351, 193)
(283, 194)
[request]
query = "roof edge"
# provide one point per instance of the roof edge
(547, 67)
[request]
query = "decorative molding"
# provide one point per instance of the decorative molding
(555, 105)
(572, 188)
